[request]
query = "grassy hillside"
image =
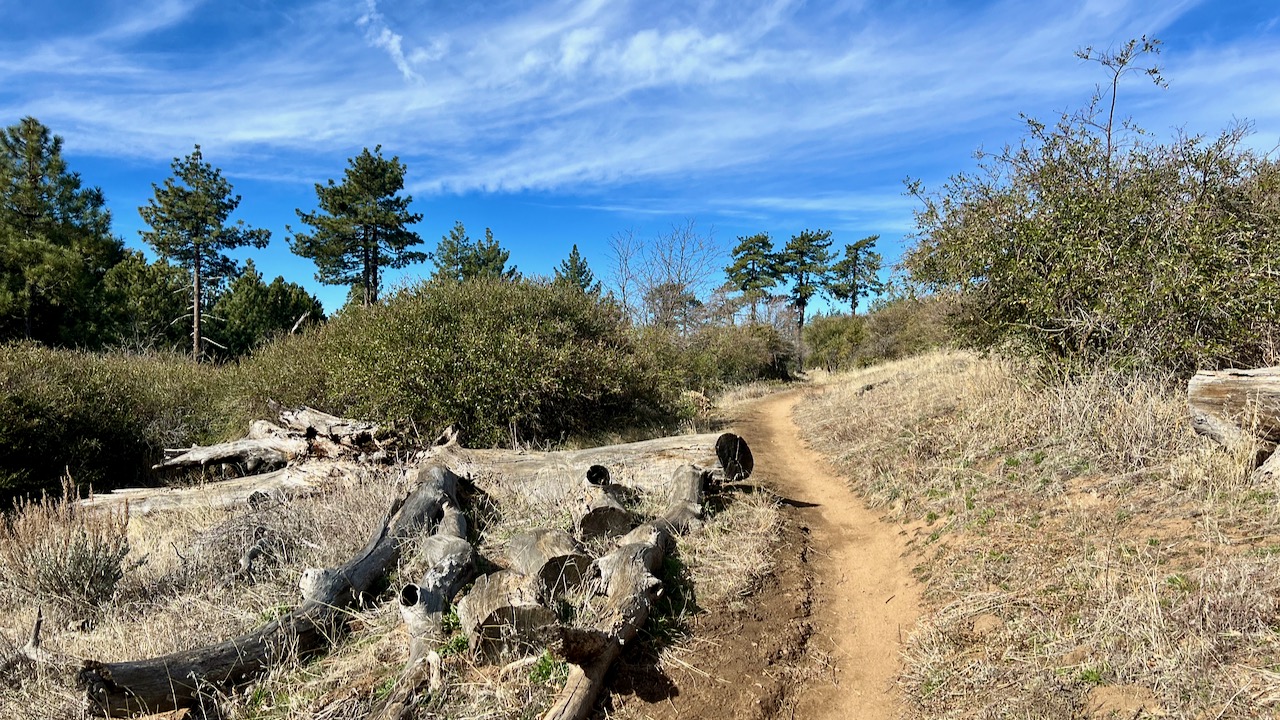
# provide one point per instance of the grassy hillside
(1081, 549)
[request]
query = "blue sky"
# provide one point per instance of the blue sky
(557, 123)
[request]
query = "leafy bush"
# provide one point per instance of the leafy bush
(1089, 249)
(526, 359)
(56, 551)
(716, 356)
(102, 417)
(895, 328)
(834, 341)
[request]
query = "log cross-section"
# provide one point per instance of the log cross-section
(160, 684)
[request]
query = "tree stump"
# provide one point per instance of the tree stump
(552, 556)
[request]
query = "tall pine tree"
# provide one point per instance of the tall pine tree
(361, 227)
(252, 311)
(188, 218)
(804, 262)
(754, 269)
(856, 275)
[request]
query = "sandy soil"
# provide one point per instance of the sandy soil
(821, 638)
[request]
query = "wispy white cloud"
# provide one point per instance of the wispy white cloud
(585, 93)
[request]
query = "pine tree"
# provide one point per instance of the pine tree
(754, 269)
(252, 312)
(457, 257)
(361, 226)
(803, 262)
(148, 302)
(55, 243)
(573, 271)
(855, 276)
(188, 220)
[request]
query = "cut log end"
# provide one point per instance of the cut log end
(735, 457)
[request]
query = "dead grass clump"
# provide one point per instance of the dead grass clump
(734, 549)
(1080, 546)
(54, 552)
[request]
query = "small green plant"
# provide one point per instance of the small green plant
(549, 670)
(455, 645)
(1091, 675)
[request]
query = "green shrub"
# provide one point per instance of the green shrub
(717, 356)
(526, 359)
(834, 341)
(102, 417)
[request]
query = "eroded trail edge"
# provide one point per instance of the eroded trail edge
(864, 599)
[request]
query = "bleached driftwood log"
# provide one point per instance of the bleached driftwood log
(118, 689)
(450, 561)
(627, 579)
(1227, 405)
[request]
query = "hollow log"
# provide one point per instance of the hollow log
(1227, 404)
(450, 561)
(172, 681)
(627, 579)
(504, 615)
(735, 457)
(550, 555)
(252, 453)
(598, 512)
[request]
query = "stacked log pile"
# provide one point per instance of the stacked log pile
(513, 612)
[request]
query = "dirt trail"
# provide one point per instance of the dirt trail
(865, 600)
(820, 637)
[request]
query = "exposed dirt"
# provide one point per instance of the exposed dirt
(821, 636)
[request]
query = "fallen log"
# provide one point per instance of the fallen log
(252, 453)
(627, 578)
(312, 422)
(160, 684)
(1229, 405)
(504, 615)
(450, 560)
(598, 512)
(552, 556)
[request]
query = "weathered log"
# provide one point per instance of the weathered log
(627, 578)
(29, 655)
(504, 615)
(252, 453)
(293, 481)
(550, 555)
(1227, 404)
(314, 422)
(166, 683)
(735, 457)
(450, 560)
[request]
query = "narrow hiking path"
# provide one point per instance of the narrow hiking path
(821, 636)
(865, 600)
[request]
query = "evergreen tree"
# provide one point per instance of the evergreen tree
(361, 228)
(573, 271)
(252, 312)
(754, 269)
(55, 243)
(803, 262)
(457, 257)
(149, 302)
(855, 276)
(188, 220)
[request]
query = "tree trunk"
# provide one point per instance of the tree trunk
(550, 555)
(172, 681)
(251, 453)
(626, 577)
(195, 305)
(504, 615)
(1229, 405)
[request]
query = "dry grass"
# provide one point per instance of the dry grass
(1077, 541)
